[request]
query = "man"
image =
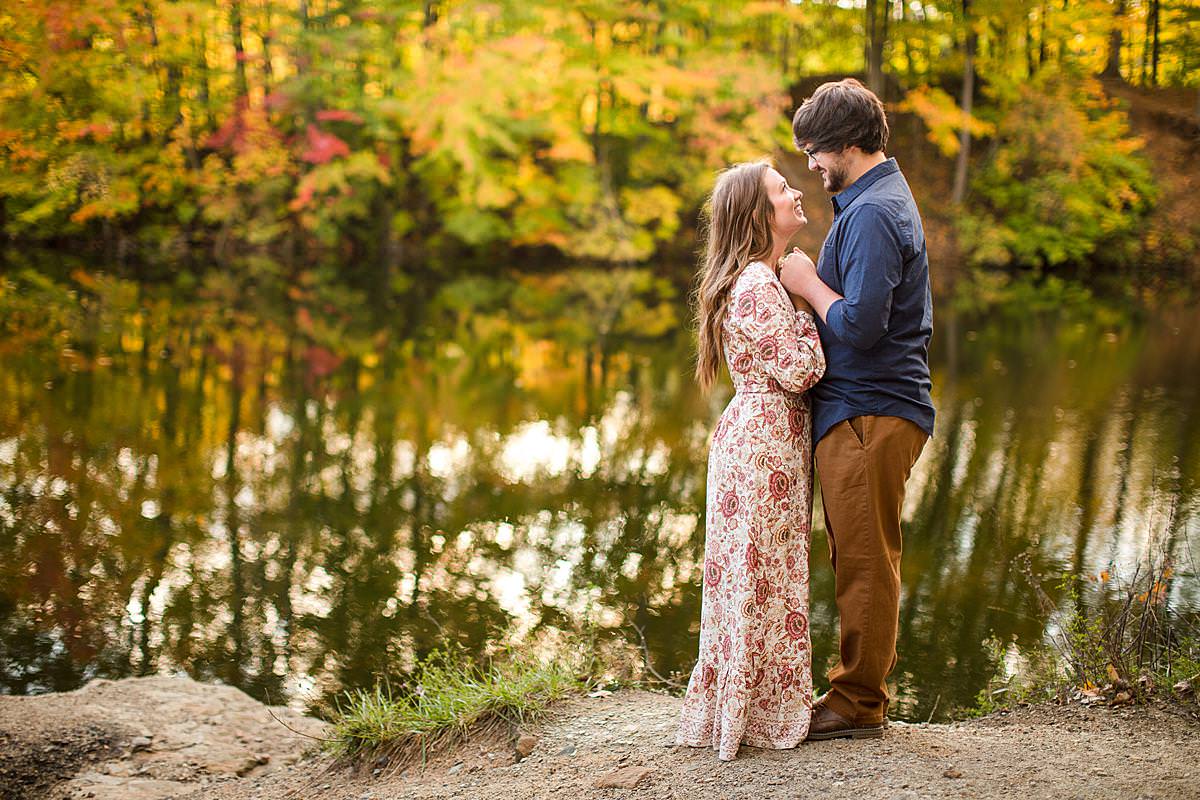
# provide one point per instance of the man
(872, 412)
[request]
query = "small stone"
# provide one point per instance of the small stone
(627, 778)
(569, 750)
(457, 768)
(140, 743)
(525, 745)
(952, 773)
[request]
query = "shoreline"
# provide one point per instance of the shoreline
(172, 737)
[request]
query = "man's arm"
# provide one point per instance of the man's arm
(873, 265)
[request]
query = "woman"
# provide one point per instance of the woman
(753, 681)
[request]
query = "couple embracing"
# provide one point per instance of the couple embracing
(832, 355)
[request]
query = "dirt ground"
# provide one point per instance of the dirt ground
(155, 738)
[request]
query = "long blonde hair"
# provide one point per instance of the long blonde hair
(737, 231)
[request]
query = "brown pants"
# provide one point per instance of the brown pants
(863, 464)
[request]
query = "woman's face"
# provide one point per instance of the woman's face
(787, 215)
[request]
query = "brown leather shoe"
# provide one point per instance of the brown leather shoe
(828, 724)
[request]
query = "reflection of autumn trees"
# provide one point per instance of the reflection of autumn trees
(186, 484)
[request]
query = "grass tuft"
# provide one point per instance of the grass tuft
(446, 700)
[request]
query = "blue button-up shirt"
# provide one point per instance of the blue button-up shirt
(876, 339)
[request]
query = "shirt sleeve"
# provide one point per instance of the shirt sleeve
(783, 340)
(871, 262)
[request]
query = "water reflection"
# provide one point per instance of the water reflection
(281, 504)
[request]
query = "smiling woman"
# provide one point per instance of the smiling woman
(752, 683)
(789, 210)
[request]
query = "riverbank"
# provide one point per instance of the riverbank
(158, 738)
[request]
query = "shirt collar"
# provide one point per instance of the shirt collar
(864, 182)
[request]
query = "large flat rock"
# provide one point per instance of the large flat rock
(143, 739)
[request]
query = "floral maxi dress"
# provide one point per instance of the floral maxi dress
(752, 683)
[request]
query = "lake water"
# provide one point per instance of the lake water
(295, 505)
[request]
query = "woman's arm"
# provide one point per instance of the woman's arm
(784, 339)
(799, 276)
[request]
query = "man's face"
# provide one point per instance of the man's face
(831, 166)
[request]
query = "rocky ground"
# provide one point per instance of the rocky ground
(151, 738)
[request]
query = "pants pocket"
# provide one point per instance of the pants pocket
(858, 429)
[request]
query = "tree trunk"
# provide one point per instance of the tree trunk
(239, 51)
(1112, 69)
(204, 90)
(1030, 63)
(968, 97)
(1042, 37)
(884, 32)
(1063, 40)
(909, 69)
(1154, 9)
(267, 40)
(1146, 49)
(873, 48)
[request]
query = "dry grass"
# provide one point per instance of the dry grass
(1118, 640)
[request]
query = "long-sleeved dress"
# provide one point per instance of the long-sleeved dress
(752, 683)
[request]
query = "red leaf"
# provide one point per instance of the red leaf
(321, 361)
(231, 132)
(338, 115)
(277, 100)
(323, 147)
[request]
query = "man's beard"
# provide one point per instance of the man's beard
(835, 178)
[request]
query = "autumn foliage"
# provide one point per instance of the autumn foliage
(393, 137)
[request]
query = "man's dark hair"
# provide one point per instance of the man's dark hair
(841, 114)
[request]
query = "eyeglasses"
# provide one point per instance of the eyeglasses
(809, 153)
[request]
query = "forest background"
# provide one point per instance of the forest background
(350, 160)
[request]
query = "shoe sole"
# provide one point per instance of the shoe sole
(853, 733)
